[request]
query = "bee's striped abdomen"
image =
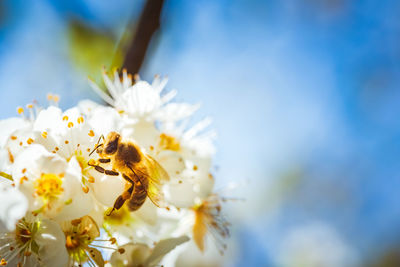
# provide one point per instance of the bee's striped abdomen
(138, 196)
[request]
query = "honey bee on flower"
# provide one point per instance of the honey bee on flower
(124, 184)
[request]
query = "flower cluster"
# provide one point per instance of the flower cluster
(121, 184)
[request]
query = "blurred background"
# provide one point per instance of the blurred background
(304, 95)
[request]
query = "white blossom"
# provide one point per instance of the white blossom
(57, 199)
(140, 255)
(34, 242)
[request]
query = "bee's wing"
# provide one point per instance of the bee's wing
(157, 177)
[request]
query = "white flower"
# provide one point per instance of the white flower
(140, 255)
(102, 119)
(209, 219)
(52, 185)
(34, 242)
(10, 145)
(80, 237)
(69, 135)
(13, 206)
(50, 158)
(143, 101)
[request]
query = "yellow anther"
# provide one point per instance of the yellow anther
(80, 120)
(3, 262)
(44, 135)
(29, 106)
(13, 137)
(91, 179)
(91, 133)
(49, 97)
(23, 178)
(195, 167)
(168, 142)
(85, 189)
(92, 162)
(65, 118)
(56, 98)
(70, 124)
(29, 141)
(20, 110)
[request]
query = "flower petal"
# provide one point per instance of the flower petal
(51, 242)
(13, 206)
(163, 248)
(134, 255)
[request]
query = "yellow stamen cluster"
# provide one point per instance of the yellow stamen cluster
(168, 142)
(48, 186)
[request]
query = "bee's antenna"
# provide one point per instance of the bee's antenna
(101, 137)
(99, 145)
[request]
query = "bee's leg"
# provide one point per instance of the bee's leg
(121, 199)
(104, 160)
(102, 170)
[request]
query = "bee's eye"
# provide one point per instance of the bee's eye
(111, 147)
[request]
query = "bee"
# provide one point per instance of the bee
(144, 175)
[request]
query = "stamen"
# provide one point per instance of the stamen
(91, 134)
(65, 118)
(80, 120)
(85, 189)
(23, 178)
(6, 175)
(20, 110)
(10, 156)
(56, 98)
(31, 114)
(70, 124)
(44, 135)
(29, 141)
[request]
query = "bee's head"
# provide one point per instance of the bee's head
(111, 143)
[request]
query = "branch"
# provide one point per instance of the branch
(149, 23)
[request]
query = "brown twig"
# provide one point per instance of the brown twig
(148, 24)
